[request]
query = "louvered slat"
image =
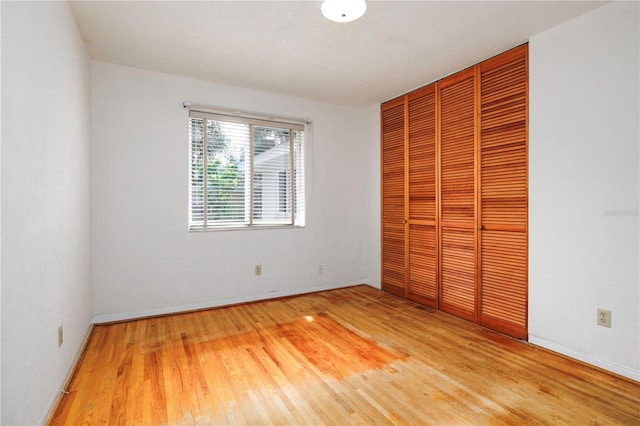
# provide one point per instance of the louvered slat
(457, 151)
(393, 201)
(393, 258)
(504, 193)
(421, 145)
(422, 155)
(504, 275)
(458, 272)
(423, 263)
(457, 174)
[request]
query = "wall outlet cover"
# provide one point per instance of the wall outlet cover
(60, 336)
(604, 318)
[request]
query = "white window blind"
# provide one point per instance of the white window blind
(244, 172)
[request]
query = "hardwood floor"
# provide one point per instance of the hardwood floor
(348, 356)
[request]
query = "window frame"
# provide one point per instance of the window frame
(295, 170)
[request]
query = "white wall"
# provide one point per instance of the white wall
(45, 204)
(144, 259)
(584, 187)
(373, 189)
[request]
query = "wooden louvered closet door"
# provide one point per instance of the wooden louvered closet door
(455, 194)
(457, 181)
(421, 159)
(393, 197)
(503, 193)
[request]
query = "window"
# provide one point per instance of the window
(254, 172)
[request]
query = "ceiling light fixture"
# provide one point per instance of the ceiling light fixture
(343, 10)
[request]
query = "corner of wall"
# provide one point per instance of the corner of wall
(46, 280)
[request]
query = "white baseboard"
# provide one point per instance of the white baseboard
(125, 316)
(589, 359)
(56, 396)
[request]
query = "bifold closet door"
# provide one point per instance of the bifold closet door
(421, 160)
(393, 197)
(503, 193)
(455, 194)
(457, 181)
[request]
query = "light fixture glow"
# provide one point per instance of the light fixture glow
(343, 10)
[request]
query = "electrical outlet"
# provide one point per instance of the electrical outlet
(60, 336)
(321, 269)
(258, 269)
(604, 318)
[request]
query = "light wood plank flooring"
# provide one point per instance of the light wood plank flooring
(348, 356)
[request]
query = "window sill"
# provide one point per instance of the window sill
(245, 228)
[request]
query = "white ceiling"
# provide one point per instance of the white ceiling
(288, 47)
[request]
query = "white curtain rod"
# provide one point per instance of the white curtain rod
(247, 114)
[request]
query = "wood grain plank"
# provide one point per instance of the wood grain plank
(349, 356)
